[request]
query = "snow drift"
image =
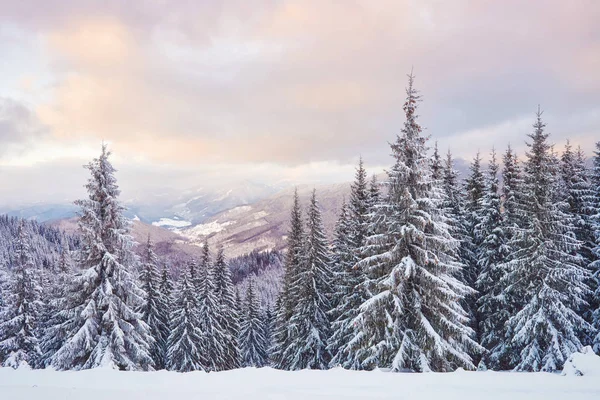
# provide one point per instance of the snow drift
(267, 383)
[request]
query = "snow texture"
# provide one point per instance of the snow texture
(267, 383)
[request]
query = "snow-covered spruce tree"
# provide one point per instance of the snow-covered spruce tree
(268, 318)
(310, 327)
(342, 259)
(100, 318)
(167, 290)
(595, 265)
(474, 189)
(228, 317)
(543, 272)
(288, 298)
(578, 193)
(213, 337)
(19, 318)
(349, 291)
(414, 319)
(54, 334)
(343, 312)
(512, 194)
(374, 193)
(437, 168)
(492, 310)
(184, 351)
(154, 309)
(252, 335)
(453, 205)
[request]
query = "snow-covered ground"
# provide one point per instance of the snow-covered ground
(267, 383)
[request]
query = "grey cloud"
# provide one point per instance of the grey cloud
(18, 125)
(481, 67)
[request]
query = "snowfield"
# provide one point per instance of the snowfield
(267, 383)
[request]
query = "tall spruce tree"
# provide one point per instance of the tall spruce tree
(53, 339)
(228, 316)
(102, 324)
(310, 327)
(184, 350)
(287, 298)
(453, 205)
(349, 292)
(212, 334)
(154, 309)
(544, 273)
(492, 309)
(595, 265)
(414, 319)
(19, 318)
(167, 290)
(474, 189)
(252, 335)
(578, 193)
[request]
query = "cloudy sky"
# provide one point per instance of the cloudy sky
(199, 92)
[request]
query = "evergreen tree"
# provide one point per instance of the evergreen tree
(492, 308)
(544, 272)
(19, 318)
(154, 310)
(252, 335)
(414, 320)
(595, 265)
(184, 352)
(453, 205)
(474, 189)
(212, 334)
(349, 292)
(54, 334)
(577, 190)
(166, 290)
(437, 168)
(309, 325)
(512, 188)
(374, 192)
(287, 298)
(268, 319)
(100, 321)
(228, 316)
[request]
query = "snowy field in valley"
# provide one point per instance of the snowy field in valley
(267, 383)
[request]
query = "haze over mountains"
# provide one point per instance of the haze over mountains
(242, 218)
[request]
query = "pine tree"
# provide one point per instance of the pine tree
(512, 194)
(309, 325)
(578, 192)
(374, 192)
(102, 326)
(19, 318)
(252, 335)
(437, 168)
(544, 272)
(414, 320)
(54, 336)
(154, 308)
(287, 299)
(492, 309)
(184, 342)
(349, 293)
(166, 290)
(228, 317)
(212, 334)
(474, 188)
(453, 204)
(268, 319)
(595, 265)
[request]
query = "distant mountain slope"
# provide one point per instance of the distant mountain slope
(263, 224)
